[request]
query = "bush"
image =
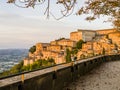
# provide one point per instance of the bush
(32, 49)
(68, 55)
(79, 44)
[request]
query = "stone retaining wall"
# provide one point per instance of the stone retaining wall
(60, 77)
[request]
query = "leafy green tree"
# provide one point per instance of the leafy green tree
(79, 44)
(17, 68)
(35, 65)
(44, 63)
(97, 8)
(74, 51)
(68, 55)
(32, 49)
(51, 61)
(26, 68)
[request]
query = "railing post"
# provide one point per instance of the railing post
(22, 78)
(55, 73)
(20, 87)
(54, 77)
(72, 66)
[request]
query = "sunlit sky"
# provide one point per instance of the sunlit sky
(22, 28)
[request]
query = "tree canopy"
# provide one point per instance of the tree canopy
(102, 7)
(79, 44)
(32, 49)
(94, 8)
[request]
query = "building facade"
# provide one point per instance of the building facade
(105, 31)
(85, 35)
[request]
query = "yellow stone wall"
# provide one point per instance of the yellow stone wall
(53, 43)
(49, 54)
(76, 36)
(85, 35)
(26, 62)
(87, 46)
(105, 31)
(66, 42)
(79, 54)
(115, 37)
(31, 61)
(39, 47)
(30, 55)
(97, 48)
(56, 48)
(60, 59)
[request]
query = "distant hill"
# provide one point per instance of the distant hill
(13, 51)
(11, 57)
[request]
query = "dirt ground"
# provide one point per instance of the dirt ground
(104, 77)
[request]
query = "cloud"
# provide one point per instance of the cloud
(20, 32)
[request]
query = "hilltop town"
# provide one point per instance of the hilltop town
(81, 44)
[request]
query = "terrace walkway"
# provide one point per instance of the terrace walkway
(104, 77)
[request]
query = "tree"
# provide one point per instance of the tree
(26, 68)
(32, 49)
(79, 44)
(35, 65)
(51, 60)
(74, 51)
(95, 8)
(68, 55)
(61, 38)
(102, 7)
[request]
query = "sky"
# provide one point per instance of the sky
(24, 27)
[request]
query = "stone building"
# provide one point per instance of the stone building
(97, 48)
(53, 50)
(40, 47)
(85, 35)
(28, 61)
(87, 46)
(60, 59)
(57, 56)
(115, 37)
(64, 42)
(67, 42)
(105, 31)
(49, 54)
(56, 48)
(95, 42)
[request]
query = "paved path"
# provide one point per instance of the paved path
(104, 77)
